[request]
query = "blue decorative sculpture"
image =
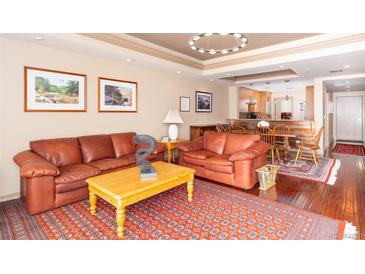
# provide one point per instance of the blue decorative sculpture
(147, 171)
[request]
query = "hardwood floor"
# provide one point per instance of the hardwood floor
(345, 200)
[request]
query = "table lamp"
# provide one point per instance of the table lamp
(173, 117)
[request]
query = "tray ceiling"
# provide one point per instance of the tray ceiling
(179, 41)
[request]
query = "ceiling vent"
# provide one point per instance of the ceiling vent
(336, 71)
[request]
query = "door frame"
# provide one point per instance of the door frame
(347, 94)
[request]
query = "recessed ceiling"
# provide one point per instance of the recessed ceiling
(287, 73)
(343, 85)
(179, 41)
(280, 85)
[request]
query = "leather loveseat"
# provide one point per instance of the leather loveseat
(224, 157)
(53, 171)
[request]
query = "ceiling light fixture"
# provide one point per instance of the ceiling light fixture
(178, 72)
(128, 60)
(239, 39)
(347, 66)
(38, 38)
(281, 66)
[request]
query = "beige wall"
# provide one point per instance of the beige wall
(233, 102)
(158, 92)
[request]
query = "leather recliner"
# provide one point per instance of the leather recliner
(53, 171)
(224, 157)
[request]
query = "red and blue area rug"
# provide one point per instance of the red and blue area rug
(349, 149)
(325, 172)
(216, 212)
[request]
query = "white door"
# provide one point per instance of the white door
(349, 118)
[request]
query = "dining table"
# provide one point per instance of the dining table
(286, 145)
(285, 137)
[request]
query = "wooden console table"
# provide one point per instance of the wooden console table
(198, 130)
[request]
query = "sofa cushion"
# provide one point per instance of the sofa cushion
(219, 163)
(130, 157)
(61, 188)
(74, 173)
(194, 161)
(123, 143)
(96, 147)
(214, 141)
(111, 163)
(200, 154)
(60, 151)
(238, 142)
(221, 160)
(219, 168)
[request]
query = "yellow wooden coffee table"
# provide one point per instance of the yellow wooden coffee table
(124, 187)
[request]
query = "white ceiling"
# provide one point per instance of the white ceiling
(316, 67)
(291, 85)
(306, 68)
(346, 85)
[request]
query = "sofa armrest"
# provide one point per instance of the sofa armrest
(252, 152)
(159, 148)
(195, 145)
(33, 165)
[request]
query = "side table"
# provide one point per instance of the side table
(171, 145)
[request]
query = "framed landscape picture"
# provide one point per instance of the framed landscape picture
(51, 90)
(203, 101)
(117, 95)
(184, 104)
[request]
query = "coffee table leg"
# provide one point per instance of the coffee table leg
(120, 221)
(190, 186)
(92, 201)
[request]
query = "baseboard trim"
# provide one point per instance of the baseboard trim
(8, 197)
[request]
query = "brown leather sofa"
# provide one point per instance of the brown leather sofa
(224, 157)
(53, 171)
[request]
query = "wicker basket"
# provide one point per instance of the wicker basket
(267, 176)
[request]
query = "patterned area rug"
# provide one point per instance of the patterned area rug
(349, 149)
(217, 212)
(325, 172)
(17, 224)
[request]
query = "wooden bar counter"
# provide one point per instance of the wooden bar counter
(304, 128)
(301, 128)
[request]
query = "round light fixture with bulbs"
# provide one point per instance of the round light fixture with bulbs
(238, 41)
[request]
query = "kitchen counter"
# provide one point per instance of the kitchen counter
(270, 120)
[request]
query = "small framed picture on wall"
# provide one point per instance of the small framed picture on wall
(203, 101)
(54, 91)
(184, 104)
(117, 95)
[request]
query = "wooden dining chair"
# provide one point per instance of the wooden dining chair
(310, 144)
(220, 128)
(267, 135)
(238, 129)
(280, 129)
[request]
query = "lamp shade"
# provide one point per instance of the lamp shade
(173, 117)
